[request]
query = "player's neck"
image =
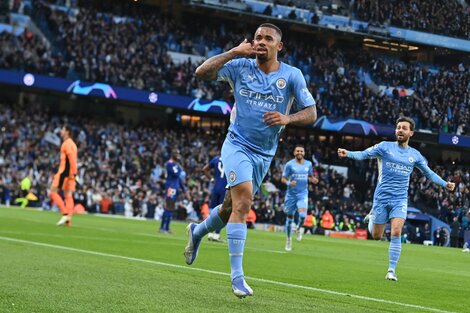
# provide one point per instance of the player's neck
(299, 161)
(268, 66)
(403, 144)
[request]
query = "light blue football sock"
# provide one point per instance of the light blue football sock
(296, 217)
(236, 236)
(394, 252)
(289, 226)
(211, 223)
(302, 216)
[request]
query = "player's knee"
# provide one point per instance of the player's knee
(242, 206)
(376, 236)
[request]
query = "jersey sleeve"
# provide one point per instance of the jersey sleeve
(212, 163)
(230, 70)
(287, 172)
(375, 151)
(301, 93)
(422, 165)
(310, 169)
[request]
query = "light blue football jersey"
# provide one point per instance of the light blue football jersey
(395, 165)
(299, 173)
(255, 93)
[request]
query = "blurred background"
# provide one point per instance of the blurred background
(121, 73)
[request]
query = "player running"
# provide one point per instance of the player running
(396, 161)
(264, 90)
(296, 175)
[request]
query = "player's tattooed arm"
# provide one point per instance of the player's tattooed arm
(208, 70)
(304, 117)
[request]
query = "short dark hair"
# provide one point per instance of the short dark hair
(277, 29)
(68, 129)
(299, 145)
(406, 119)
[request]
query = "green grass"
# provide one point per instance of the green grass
(106, 264)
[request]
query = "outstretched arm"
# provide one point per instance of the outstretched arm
(208, 70)
(430, 174)
(369, 153)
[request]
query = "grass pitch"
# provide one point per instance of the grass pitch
(106, 264)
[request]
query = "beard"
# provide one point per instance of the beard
(403, 138)
(263, 58)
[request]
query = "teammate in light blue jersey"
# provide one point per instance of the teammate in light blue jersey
(218, 189)
(396, 161)
(265, 90)
(296, 175)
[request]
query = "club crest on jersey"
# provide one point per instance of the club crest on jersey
(281, 83)
(411, 159)
(232, 176)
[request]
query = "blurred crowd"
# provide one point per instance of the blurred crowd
(122, 170)
(133, 52)
(422, 15)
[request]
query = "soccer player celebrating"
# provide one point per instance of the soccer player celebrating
(396, 161)
(173, 183)
(65, 177)
(218, 190)
(296, 175)
(264, 90)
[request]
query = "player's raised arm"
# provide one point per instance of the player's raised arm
(422, 165)
(370, 153)
(208, 70)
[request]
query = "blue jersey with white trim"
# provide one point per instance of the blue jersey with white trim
(256, 93)
(395, 165)
(300, 173)
(220, 180)
(173, 176)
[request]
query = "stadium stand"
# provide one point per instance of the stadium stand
(338, 80)
(121, 169)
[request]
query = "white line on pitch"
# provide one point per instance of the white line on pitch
(273, 282)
